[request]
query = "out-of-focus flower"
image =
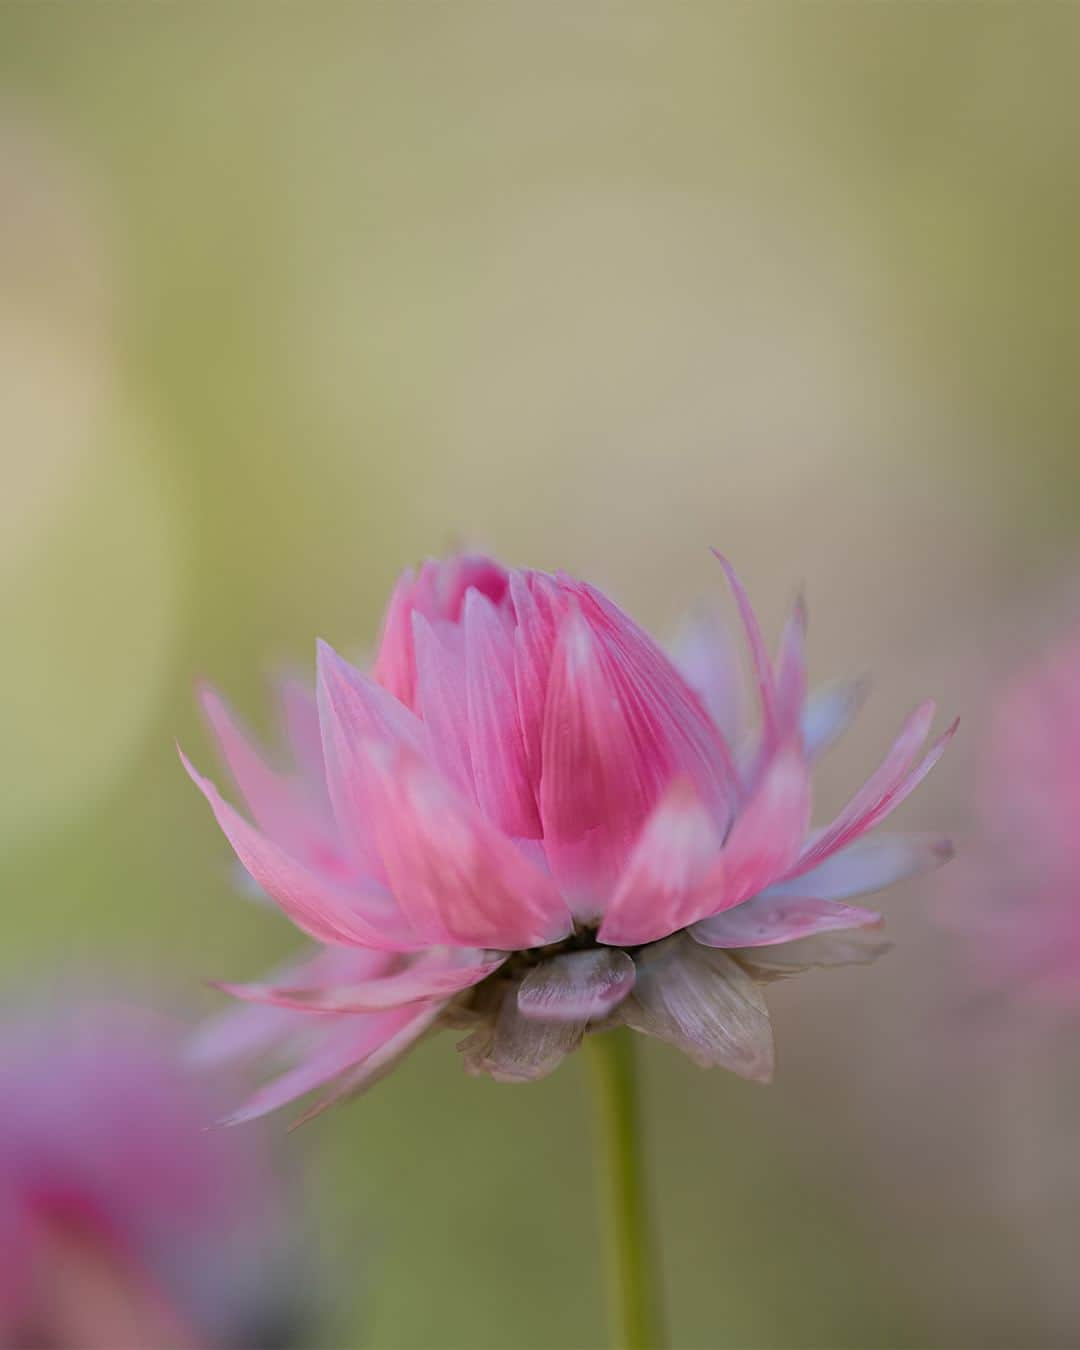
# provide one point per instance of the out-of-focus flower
(1016, 898)
(124, 1222)
(528, 823)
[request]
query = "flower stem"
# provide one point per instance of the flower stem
(632, 1271)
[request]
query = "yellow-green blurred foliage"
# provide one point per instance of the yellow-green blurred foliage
(293, 294)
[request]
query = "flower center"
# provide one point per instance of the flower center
(581, 939)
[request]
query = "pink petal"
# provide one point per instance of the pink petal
(869, 865)
(614, 738)
(349, 1043)
(537, 606)
(420, 982)
(274, 800)
(766, 920)
(601, 767)
(379, 1063)
(783, 691)
(240, 1033)
(352, 708)
(703, 1002)
(441, 698)
(769, 832)
(395, 666)
(467, 572)
(679, 720)
(360, 706)
(437, 593)
(577, 986)
(883, 792)
(504, 786)
(791, 673)
(658, 891)
(457, 878)
(759, 653)
(317, 905)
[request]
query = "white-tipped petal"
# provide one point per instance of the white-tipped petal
(869, 865)
(658, 892)
(768, 920)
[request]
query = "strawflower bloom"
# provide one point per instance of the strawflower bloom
(1016, 899)
(530, 824)
(124, 1223)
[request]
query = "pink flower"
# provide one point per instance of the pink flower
(1017, 897)
(529, 824)
(123, 1222)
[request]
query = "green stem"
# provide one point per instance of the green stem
(633, 1273)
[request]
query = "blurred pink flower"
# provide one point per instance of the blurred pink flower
(123, 1222)
(529, 824)
(1016, 898)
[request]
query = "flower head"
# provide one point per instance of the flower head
(123, 1222)
(1017, 896)
(528, 822)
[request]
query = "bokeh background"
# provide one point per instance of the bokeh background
(291, 296)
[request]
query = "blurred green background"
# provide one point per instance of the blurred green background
(291, 296)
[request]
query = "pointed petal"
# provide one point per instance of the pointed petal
(241, 1033)
(698, 749)
(238, 1033)
(377, 1065)
(441, 698)
(537, 606)
(523, 1050)
(456, 878)
(759, 653)
(869, 865)
(438, 593)
(658, 891)
(504, 786)
(348, 1043)
(883, 791)
(768, 833)
(274, 800)
(856, 946)
(763, 921)
(421, 982)
(459, 575)
(703, 1002)
(791, 673)
(395, 667)
(829, 712)
(602, 768)
(316, 904)
(577, 986)
(351, 708)
(619, 725)
(360, 706)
